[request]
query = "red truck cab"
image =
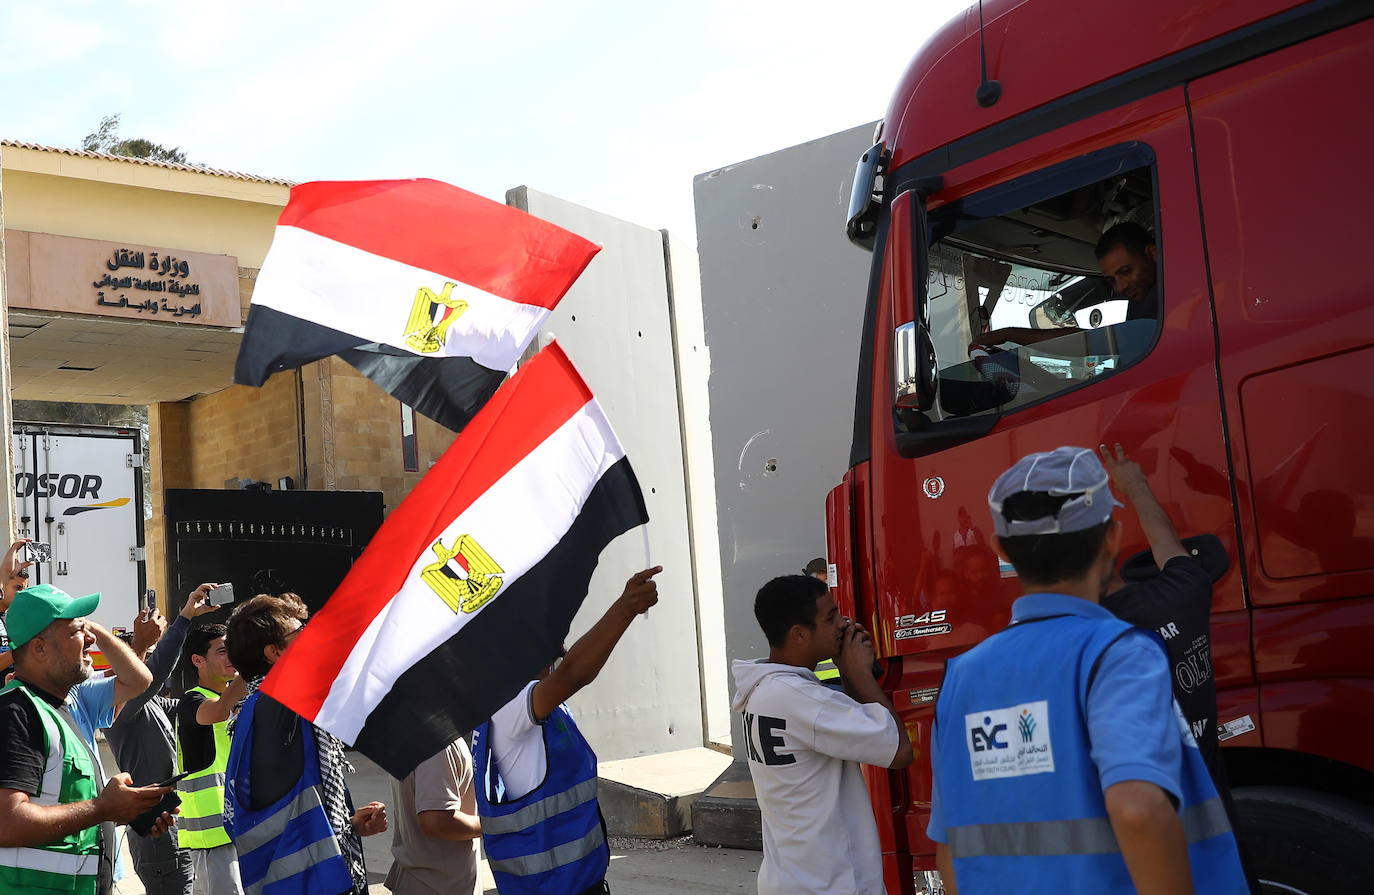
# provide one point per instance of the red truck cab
(1237, 133)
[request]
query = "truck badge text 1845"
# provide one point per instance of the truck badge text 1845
(927, 624)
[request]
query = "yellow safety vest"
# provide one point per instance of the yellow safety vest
(827, 671)
(201, 822)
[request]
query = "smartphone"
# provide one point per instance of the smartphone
(143, 824)
(173, 781)
(36, 552)
(148, 600)
(221, 595)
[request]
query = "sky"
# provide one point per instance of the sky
(613, 105)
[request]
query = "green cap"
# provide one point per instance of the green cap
(34, 608)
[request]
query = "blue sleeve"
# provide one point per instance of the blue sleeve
(1133, 724)
(93, 706)
(936, 828)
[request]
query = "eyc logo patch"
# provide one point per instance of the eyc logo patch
(1010, 742)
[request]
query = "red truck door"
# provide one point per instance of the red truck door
(1282, 158)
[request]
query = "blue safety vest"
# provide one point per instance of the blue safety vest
(287, 848)
(1019, 794)
(551, 839)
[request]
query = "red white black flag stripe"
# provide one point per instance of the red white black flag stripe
(429, 290)
(471, 584)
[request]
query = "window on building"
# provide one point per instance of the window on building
(410, 446)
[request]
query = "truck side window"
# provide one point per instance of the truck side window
(1028, 302)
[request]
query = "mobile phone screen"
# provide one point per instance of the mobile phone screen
(36, 552)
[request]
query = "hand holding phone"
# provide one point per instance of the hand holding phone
(143, 824)
(221, 595)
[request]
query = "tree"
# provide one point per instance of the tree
(105, 138)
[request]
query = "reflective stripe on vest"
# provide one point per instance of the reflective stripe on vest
(288, 846)
(827, 671)
(541, 810)
(1081, 836)
(551, 839)
(50, 861)
(559, 855)
(201, 822)
(71, 864)
(298, 862)
(302, 803)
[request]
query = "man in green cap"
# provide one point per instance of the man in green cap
(57, 812)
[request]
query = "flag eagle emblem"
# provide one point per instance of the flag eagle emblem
(430, 317)
(465, 577)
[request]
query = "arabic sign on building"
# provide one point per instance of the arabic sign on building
(89, 276)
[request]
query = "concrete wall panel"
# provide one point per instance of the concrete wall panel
(615, 326)
(783, 293)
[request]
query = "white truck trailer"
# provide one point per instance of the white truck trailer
(80, 489)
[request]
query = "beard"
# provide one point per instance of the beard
(80, 671)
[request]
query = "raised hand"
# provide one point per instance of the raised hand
(198, 601)
(641, 591)
(1126, 474)
(12, 568)
(149, 627)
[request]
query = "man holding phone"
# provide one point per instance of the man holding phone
(57, 812)
(14, 571)
(202, 719)
(144, 741)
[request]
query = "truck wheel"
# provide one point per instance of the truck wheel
(1303, 842)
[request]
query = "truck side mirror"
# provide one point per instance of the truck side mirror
(904, 288)
(866, 198)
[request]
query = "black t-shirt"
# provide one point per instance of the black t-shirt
(1177, 604)
(278, 754)
(197, 740)
(22, 754)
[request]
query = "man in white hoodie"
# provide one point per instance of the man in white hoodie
(805, 741)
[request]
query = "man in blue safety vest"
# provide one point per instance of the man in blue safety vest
(284, 782)
(1061, 762)
(536, 775)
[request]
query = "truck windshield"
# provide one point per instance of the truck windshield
(1021, 308)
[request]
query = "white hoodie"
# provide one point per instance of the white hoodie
(804, 742)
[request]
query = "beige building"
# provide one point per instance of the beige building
(128, 282)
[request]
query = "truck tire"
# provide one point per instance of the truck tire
(1303, 842)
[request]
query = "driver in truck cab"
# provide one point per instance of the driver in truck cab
(1129, 258)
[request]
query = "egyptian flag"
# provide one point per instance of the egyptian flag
(432, 292)
(470, 585)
